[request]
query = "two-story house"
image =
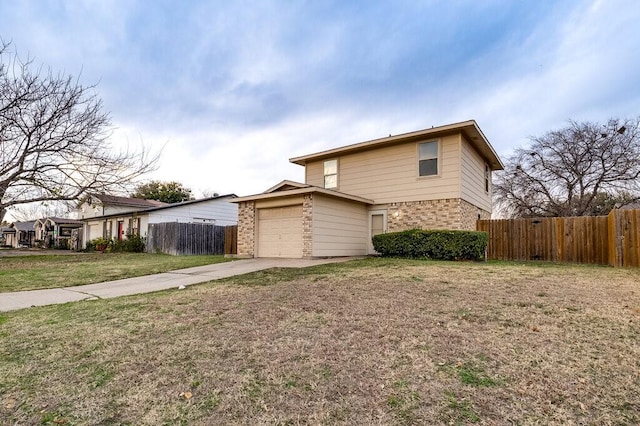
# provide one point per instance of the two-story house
(438, 178)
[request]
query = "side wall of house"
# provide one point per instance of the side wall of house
(473, 178)
(339, 227)
(390, 174)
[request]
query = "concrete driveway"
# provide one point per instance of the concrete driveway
(151, 283)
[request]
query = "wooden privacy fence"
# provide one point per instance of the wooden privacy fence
(188, 238)
(231, 239)
(608, 240)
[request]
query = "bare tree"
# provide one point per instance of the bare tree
(583, 169)
(54, 139)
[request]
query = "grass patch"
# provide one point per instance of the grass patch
(373, 341)
(54, 271)
(460, 412)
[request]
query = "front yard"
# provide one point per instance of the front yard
(52, 271)
(373, 341)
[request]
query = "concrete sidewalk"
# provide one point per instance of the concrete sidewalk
(150, 283)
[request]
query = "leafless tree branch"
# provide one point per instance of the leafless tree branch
(54, 139)
(583, 169)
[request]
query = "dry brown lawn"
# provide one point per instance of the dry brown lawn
(366, 342)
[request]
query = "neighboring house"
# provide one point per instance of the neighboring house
(438, 178)
(20, 234)
(214, 210)
(95, 205)
(56, 231)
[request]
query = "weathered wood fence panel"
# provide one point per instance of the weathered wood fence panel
(624, 240)
(185, 238)
(231, 239)
(612, 239)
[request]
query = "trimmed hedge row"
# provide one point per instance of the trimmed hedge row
(439, 245)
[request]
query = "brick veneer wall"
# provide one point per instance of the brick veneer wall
(246, 229)
(470, 215)
(451, 213)
(307, 226)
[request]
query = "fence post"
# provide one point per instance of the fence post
(615, 234)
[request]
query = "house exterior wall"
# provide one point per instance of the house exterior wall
(307, 225)
(11, 239)
(339, 227)
(219, 212)
(93, 230)
(390, 174)
(452, 213)
(246, 229)
(473, 182)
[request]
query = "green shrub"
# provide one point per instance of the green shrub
(439, 245)
(132, 244)
(98, 244)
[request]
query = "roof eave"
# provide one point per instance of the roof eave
(470, 128)
(303, 191)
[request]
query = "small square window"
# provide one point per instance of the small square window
(331, 174)
(428, 158)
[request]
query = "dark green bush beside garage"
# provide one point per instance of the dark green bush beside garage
(436, 244)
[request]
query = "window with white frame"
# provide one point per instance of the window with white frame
(428, 158)
(331, 174)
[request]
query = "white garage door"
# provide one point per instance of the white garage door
(280, 232)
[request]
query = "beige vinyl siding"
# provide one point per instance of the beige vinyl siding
(279, 202)
(339, 227)
(390, 174)
(473, 178)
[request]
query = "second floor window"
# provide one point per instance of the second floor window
(428, 158)
(331, 174)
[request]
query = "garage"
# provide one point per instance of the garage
(280, 231)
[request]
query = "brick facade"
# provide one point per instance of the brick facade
(469, 214)
(246, 229)
(452, 213)
(307, 226)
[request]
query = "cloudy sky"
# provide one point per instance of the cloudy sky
(233, 89)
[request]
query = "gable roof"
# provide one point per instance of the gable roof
(115, 200)
(302, 189)
(164, 206)
(24, 226)
(469, 129)
(286, 185)
(64, 221)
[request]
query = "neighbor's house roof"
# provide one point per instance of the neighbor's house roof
(287, 188)
(64, 221)
(59, 221)
(24, 226)
(469, 129)
(115, 200)
(7, 230)
(164, 206)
